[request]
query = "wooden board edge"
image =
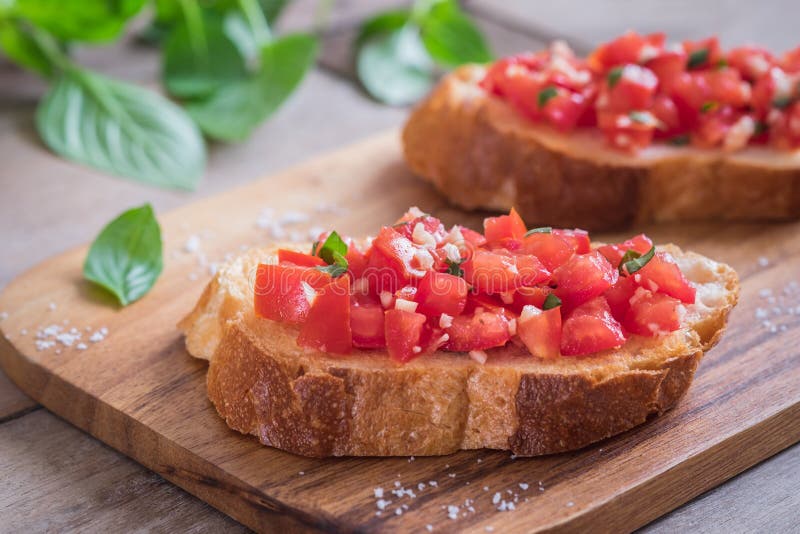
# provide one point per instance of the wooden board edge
(204, 480)
(708, 469)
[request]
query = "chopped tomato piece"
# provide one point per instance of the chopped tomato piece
(400, 252)
(483, 330)
(661, 274)
(381, 273)
(619, 296)
(367, 325)
(590, 328)
(565, 109)
(550, 248)
(579, 239)
(430, 224)
(752, 61)
(583, 277)
(628, 48)
(504, 226)
(628, 131)
(633, 89)
(327, 327)
(498, 272)
(540, 331)
(299, 258)
(668, 117)
(472, 237)
(614, 253)
(529, 296)
(403, 334)
(283, 292)
(356, 262)
(667, 65)
(702, 54)
(651, 314)
(440, 293)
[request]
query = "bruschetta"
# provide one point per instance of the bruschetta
(425, 340)
(636, 132)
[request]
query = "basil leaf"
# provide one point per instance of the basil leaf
(782, 102)
(122, 129)
(233, 111)
(451, 38)
(20, 46)
(199, 60)
(697, 58)
(545, 95)
(126, 257)
(84, 20)
(380, 25)
(638, 261)
(541, 230)
(761, 128)
(314, 247)
(551, 301)
(454, 267)
(337, 267)
(614, 76)
(394, 68)
(333, 245)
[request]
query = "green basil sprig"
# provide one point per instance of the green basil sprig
(398, 52)
(126, 257)
(551, 301)
(632, 261)
(454, 267)
(333, 252)
(540, 230)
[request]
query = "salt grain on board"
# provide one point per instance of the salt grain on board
(3, 316)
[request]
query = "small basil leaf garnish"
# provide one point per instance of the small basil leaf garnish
(454, 267)
(545, 95)
(126, 257)
(697, 58)
(540, 230)
(679, 140)
(337, 268)
(632, 261)
(551, 301)
(333, 244)
(614, 76)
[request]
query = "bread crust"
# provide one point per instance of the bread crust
(480, 153)
(365, 404)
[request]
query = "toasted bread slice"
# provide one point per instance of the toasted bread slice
(479, 152)
(366, 404)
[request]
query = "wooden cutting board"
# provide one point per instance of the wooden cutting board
(140, 392)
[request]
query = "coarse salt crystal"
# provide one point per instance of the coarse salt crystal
(51, 306)
(3, 316)
(765, 293)
(452, 512)
(496, 498)
(293, 217)
(523, 486)
(570, 504)
(192, 244)
(429, 528)
(382, 504)
(81, 346)
(763, 262)
(398, 511)
(378, 492)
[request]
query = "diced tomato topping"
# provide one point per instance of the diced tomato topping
(299, 258)
(614, 253)
(619, 296)
(505, 226)
(483, 330)
(590, 328)
(633, 89)
(472, 237)
(413, 294)
(584, 277)
(579, 239)
(327, 327)
(440, 293)
(540, 331)
(551, 249)
(366, 323)
(499, 271)
(403, 334)
(282, 292)
(661, 274)
(636, 89)
(651, 314)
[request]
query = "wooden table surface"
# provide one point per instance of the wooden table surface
(57, 478)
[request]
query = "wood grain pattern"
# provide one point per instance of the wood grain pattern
(142, 394)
